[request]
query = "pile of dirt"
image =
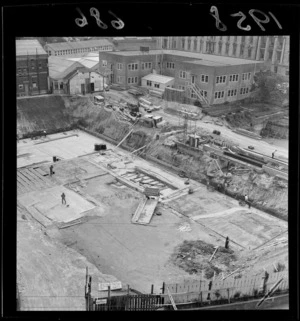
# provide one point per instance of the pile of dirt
(276, 129)
(240, 119)
(193, 257)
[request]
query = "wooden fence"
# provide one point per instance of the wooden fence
(203, 291)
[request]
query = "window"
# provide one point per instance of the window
(246, 76)
(219, 94)
(220, 79)
(232, 92)
(149, 83)
(242, 50)
(182, 74)
(234, 77)
(24, 71)
(203, 93)
(181, 87)
(40, 66)
(193, 95)
(146, 65)
(134, 66)
(20, 86)
(104, 63)
(204, 78)
(34, 85)
(132, 80)
(234, 49)
(227, 49)
(19, 72)
(220, 47)
(119, 80)
(170, 65)
(249, 52)
(182, 43)
(119, 66)
(156, 85)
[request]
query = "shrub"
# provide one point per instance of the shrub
(280, 267)
(197, 103)
(237, 295)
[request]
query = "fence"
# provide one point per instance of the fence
(230, 288)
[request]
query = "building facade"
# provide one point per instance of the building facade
(274, 50)
(78, 47)
(134, 43)
(215, 79)
(32, 68)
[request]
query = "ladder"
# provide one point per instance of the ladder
(171, 299)
(198, 92)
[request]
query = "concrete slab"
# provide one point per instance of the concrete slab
(48, 202)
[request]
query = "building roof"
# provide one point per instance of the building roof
(192, 57)
(78, 44)
(60, 67)
(158, 78)
(29, 47)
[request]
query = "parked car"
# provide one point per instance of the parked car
(251, 147)
(216, 132)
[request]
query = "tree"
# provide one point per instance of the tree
(265, 88)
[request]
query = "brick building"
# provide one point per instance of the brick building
(78, 47)
(208, 78)
(274, 50)
(134, 43)
(31, 67)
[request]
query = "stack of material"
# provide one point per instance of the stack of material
(156, 93)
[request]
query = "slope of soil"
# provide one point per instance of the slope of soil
(42, 113)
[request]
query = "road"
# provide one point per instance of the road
(260, 146)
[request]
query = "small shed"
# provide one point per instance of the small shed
(153, 81)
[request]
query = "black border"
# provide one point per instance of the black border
(141, 19)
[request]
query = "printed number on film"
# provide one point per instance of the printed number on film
(253, 13)
(117, 23)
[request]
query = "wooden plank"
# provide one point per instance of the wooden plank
(40, 178)
(33, 182)
(26, 184)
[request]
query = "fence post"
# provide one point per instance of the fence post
(108, 298)
(228, 294)
(152, 287)
(163, 292)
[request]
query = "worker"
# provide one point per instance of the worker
(63, 198)
(265, 280)
(247, 201)
(45, 133)
(274, 153)
(227, 243)
(51, 170)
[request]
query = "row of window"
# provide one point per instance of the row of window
(234, 77)
(22, 71)
(170, 65)
(244, 90)
(246, 76)
(132, 80)
(134, 66)
(232, 92)
(149, 83)
(80, 50)
(220, 79)
(146, 65)
(33, 84)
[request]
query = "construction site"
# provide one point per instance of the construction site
(165, 206)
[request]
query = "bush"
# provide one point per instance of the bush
(237, 295)
(197, 103)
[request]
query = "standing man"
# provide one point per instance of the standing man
(247, 201)
(227, 242)
(274, 153)
(63, 198)
(51, 170)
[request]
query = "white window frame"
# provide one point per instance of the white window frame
(193, 95)
(203, 93)
(149, 83)
(119, 66)
(104, 63)
(133, 66)
(182, 74)
(204, 78)
(181, 87)
(219, 94)
(156, 85)
(221, 79)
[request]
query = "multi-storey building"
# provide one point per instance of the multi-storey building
(215, 79)
(77, 47)
(134, 43)
(31, 67)
(274, 50)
